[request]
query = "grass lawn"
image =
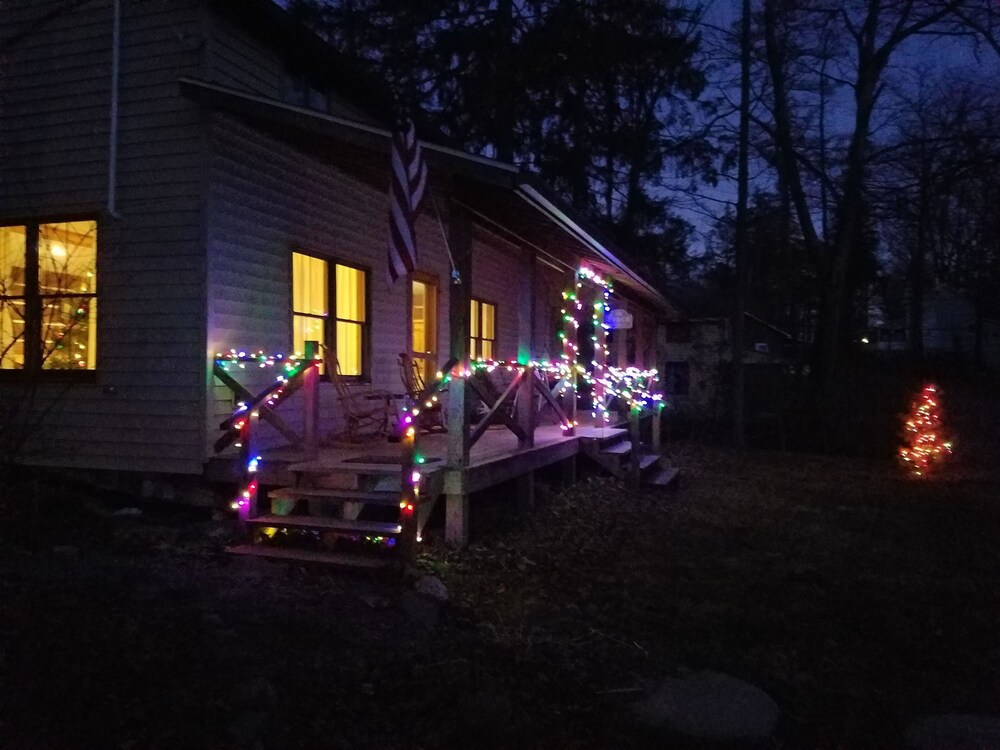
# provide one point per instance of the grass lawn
(857, 599)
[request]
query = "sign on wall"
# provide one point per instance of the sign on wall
(619, 319)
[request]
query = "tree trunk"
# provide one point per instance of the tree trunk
(742, 187)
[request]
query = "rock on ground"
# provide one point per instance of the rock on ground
(432, 587)
(954, 732)
(710, 706)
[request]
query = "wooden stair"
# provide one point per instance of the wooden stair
(333, 506)
(290, 554)
(614, 455)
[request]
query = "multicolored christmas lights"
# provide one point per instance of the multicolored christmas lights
(239, 421)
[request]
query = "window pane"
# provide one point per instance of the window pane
(487, 349)
(11, 334)
(350, 293)
(309, 285)
(474, 318)
(67, 258)
(472, 348)
(306, 328)
(12, 258)
(349, 347)
(419, 315)
(12, 250)
(69, 333)
(488, 316)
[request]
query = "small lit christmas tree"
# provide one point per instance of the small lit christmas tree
(925, 444)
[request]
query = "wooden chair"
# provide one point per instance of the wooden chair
(431, 418)
(366, 410)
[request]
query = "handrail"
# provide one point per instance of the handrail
(284, 386)
(275, 389)
(244, 420)
(411, 475)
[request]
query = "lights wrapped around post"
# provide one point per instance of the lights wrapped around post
(243, 422)
(409, 498)
(245, 503)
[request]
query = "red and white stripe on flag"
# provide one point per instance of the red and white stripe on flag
(407, 181)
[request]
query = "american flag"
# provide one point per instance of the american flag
(408, 179)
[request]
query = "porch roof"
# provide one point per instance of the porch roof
(491, 174)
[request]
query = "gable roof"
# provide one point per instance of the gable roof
(479, 169)
(277, 28)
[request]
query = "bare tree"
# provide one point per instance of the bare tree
(869, 34)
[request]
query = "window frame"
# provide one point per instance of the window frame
(431, 358)
(480, 338)
(330, 322)
(33, 350)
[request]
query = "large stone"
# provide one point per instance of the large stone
(710, 706)
(432, 587)
(954, 732)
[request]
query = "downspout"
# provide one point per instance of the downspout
(116, 33)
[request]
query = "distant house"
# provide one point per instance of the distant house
(183, 177)
(698, 352)
(951, 327)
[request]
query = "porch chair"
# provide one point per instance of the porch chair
(431, 418)
(366, 410)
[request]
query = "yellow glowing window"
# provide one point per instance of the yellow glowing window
(482, 329)
(350, 319)
(314, 293)
(310, 294)
(423, 317)
(48, 296)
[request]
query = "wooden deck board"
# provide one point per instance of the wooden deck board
(495, 458)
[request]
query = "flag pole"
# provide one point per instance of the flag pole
(456, 277)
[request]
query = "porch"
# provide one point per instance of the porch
(381, 490)
(494, 459)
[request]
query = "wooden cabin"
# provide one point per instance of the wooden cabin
(183, 178)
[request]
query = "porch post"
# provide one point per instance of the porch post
(526, 407)
(572, 341)
(457, 503)
(310, 404)
(635, 436)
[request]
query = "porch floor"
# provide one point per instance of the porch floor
(495, 458)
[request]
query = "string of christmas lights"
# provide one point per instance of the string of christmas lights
(631, 386)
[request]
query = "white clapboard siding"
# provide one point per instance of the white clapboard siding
(245, 60)
(503, 277)
(269, 198)
(144, 411)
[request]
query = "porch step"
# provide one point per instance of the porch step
(327, 524)
(622, 448)
(358, 562)
(601, 435)
(331, 493)
(663, 478)
(340, 467)
(647, 461)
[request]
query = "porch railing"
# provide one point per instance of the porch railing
(242, 425)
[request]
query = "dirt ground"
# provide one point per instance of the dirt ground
(857, 599)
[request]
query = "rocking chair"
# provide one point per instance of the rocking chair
(366, 410)
(430, 418)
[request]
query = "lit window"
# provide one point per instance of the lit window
(48, 296)
(350, 330)
(482, 329)
(423, 316)
(314, 294)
